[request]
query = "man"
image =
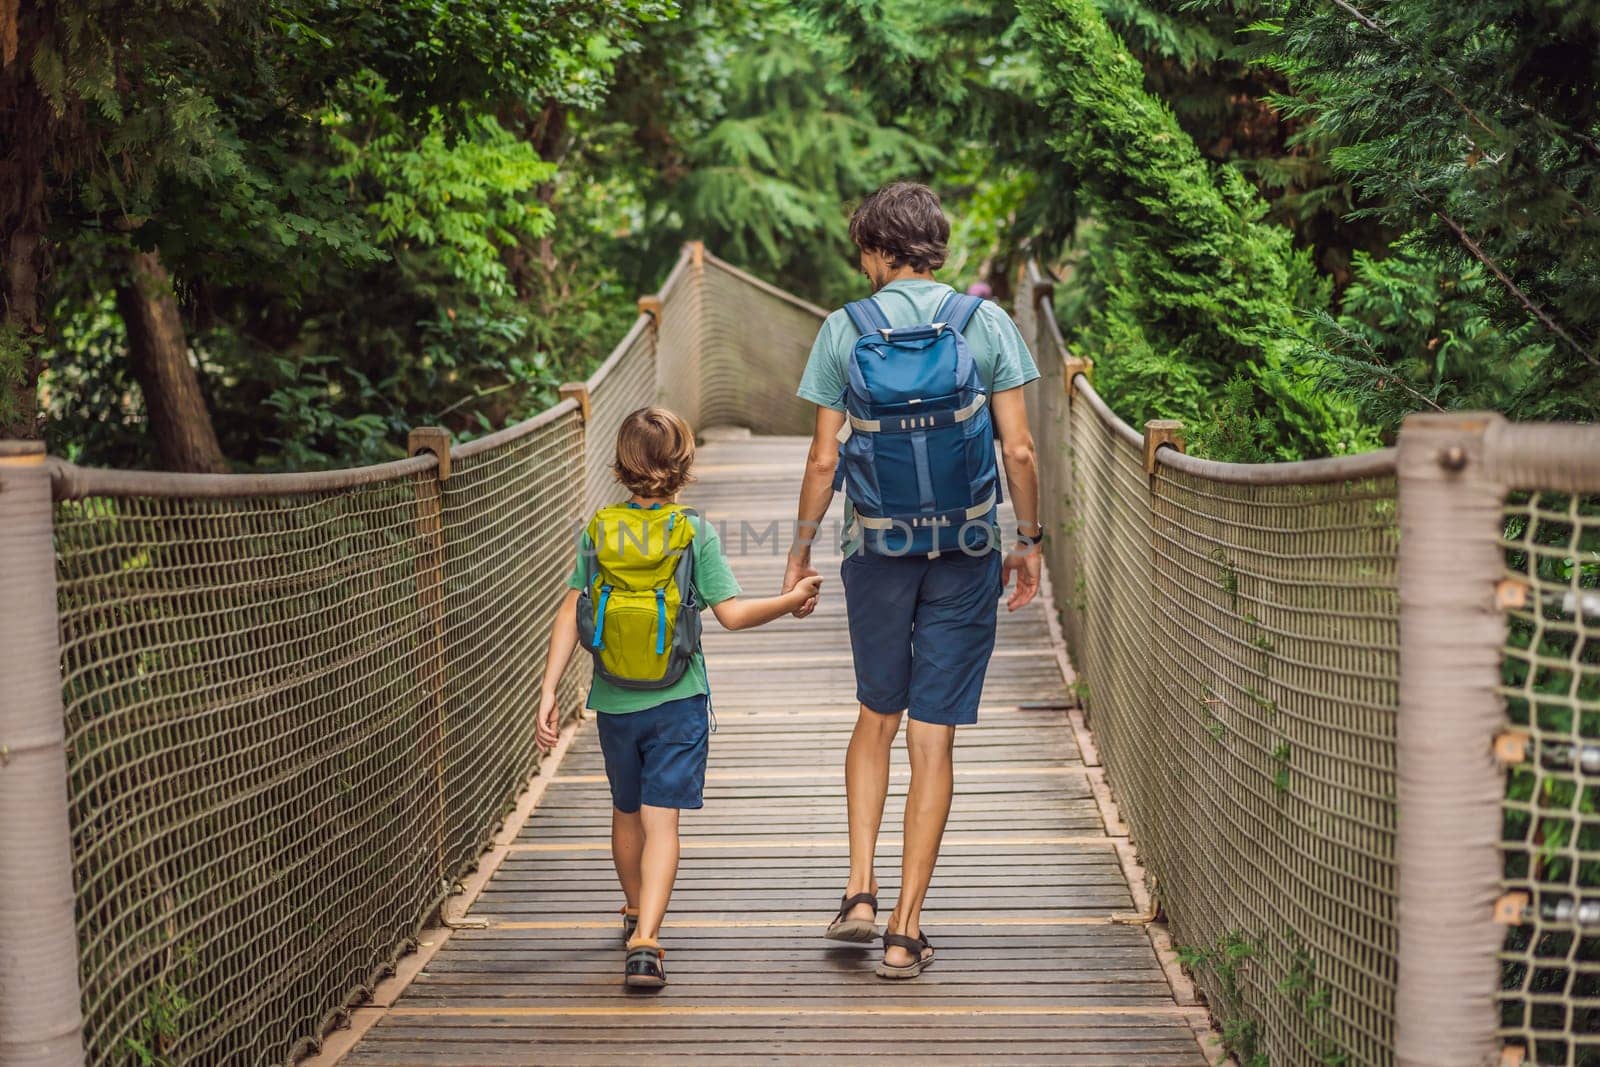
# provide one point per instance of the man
(922, 628)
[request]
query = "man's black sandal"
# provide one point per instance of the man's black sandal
(917, 946)
(630, 923)
(644, 969)
(844, 928)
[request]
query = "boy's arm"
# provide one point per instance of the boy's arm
(563, 641)
(737, 614)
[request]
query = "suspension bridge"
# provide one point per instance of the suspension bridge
(1320, 729)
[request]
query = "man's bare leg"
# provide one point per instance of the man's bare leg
(931, 748)
(866, 786)
(658, 868)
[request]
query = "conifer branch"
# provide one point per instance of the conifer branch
(1377, 27)
(1505, 279)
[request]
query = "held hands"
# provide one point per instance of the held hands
(548, 727)
(801, 570)
(804, 594)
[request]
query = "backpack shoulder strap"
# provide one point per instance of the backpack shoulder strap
(867, 316)
(957, 310)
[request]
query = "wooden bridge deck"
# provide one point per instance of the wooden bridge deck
(1031, 969)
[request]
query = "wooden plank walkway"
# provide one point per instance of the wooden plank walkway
(1030, 967)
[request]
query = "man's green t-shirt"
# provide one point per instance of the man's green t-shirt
(992, 338)
(713, 583)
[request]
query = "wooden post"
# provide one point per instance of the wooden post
(578, 391)
(430, 599)
(40, 1019)
(651, 305)
(434, 439)
(1159, 434)
(1073, 366)
(1449, 786)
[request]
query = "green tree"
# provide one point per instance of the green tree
(1181, 284)
(1476, 130)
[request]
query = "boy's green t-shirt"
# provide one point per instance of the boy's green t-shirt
(713, 583)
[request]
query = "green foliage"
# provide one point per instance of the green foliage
(1226, 961)
(355, 203)
(1412, 335)
(763, 159)
(1236, 427)
(1183, 283)
(16, 354)
(1472, 129)
(964, 77)
(161, 1023)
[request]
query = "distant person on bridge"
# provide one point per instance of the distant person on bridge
(912, 386)
(645, 570)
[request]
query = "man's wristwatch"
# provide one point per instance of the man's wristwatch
(1031, 539)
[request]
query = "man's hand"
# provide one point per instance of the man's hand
(806, 592)
(1023, 561)
(548, 730)
(800, 568)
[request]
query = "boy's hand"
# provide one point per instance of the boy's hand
(804, 595)
(798, 570)
(548, 730)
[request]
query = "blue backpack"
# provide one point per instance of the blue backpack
(917, 454)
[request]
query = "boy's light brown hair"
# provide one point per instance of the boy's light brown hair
(655, 449)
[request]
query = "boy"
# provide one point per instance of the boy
(654, 737)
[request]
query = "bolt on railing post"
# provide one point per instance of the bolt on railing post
(430, 599)
(40, 1018)
(1450, 790)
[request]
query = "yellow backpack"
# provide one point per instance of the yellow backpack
(637, 612)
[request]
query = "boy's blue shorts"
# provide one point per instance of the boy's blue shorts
(657, 756)
(922, 631)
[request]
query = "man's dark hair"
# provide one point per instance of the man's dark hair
(903, 221)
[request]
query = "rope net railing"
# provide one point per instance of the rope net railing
(297, 707)
(1237, 648)
(1238, 633)
(1550, 685)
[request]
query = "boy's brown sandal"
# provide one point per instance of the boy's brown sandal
(643, 968)
(844, 928)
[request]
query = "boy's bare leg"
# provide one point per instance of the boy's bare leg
(931, 748)
(627, 848)
(658, 867)
(866, 786)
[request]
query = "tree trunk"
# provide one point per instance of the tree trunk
(26, 122)
(19, 336)
(159, 352)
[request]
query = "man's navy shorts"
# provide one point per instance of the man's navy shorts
(657, 756)
(921, 631)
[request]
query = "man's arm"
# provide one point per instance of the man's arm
(1010, 413)
(816, 493)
